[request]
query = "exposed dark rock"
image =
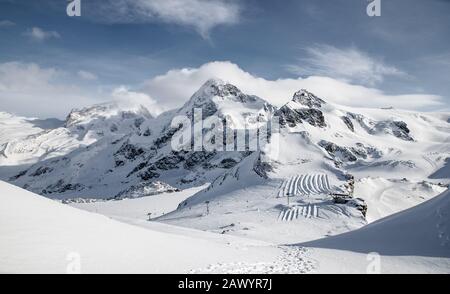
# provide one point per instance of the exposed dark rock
(196, 158)
(348, 122)
(19, 175)
(228, 163)
(42, 170)
(347, 199)
(342, 154)
(360, 205)
(169, 162)
(304, 106)
(138, 122)
(148, 174)
(147, 133)
(129, 151)
(119, 163)
(61, 187)
(232, 92)
(395, 163)
(339, 154)
(308, 99)
(400, 130)
(139, 167)
(113, 128)
(365, 152)
(293, 117)
(341, 198)
(146, 189)
(166, 137)
(208, 109)
(261, 168)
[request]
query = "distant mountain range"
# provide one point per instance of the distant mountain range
(106, 151)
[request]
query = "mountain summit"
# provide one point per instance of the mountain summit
(107, 151)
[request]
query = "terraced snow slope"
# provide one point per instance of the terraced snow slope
(305, 185)
(307, 211)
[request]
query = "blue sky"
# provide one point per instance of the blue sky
(161, 50)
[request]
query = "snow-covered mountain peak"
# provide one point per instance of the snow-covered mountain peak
(105, 111)
(304, 106)
(222, 99)
(218, 91)
(307, 99)
(114, 146)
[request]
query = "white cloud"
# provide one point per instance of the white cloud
(30, 90)
(176, 86)
(85, 75)
(348, 64)
(202, 15)
(6, 23)
(128, 98)
(38, 34)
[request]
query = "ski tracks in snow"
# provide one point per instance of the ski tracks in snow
(310, 184)
(306, 211)
(293, 260)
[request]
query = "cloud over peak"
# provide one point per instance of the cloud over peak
(175, 87)
(32, 90)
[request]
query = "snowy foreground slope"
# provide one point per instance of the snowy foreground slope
(38, 235)
(416, 240)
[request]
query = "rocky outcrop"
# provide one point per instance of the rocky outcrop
(366, 152)
(308, 99)
(292, 117)
(342, 155)
(348, 122)
(129, 151)
(304, 107)
(338, 153)
(146, 189)
(398, 129)
(61, 187)
(41, 170)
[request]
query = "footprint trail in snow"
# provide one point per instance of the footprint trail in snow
(293, 260)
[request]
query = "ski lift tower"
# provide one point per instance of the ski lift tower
(207, 207)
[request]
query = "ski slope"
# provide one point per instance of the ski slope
(43, 236)
(137, 209)
(38, 235)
